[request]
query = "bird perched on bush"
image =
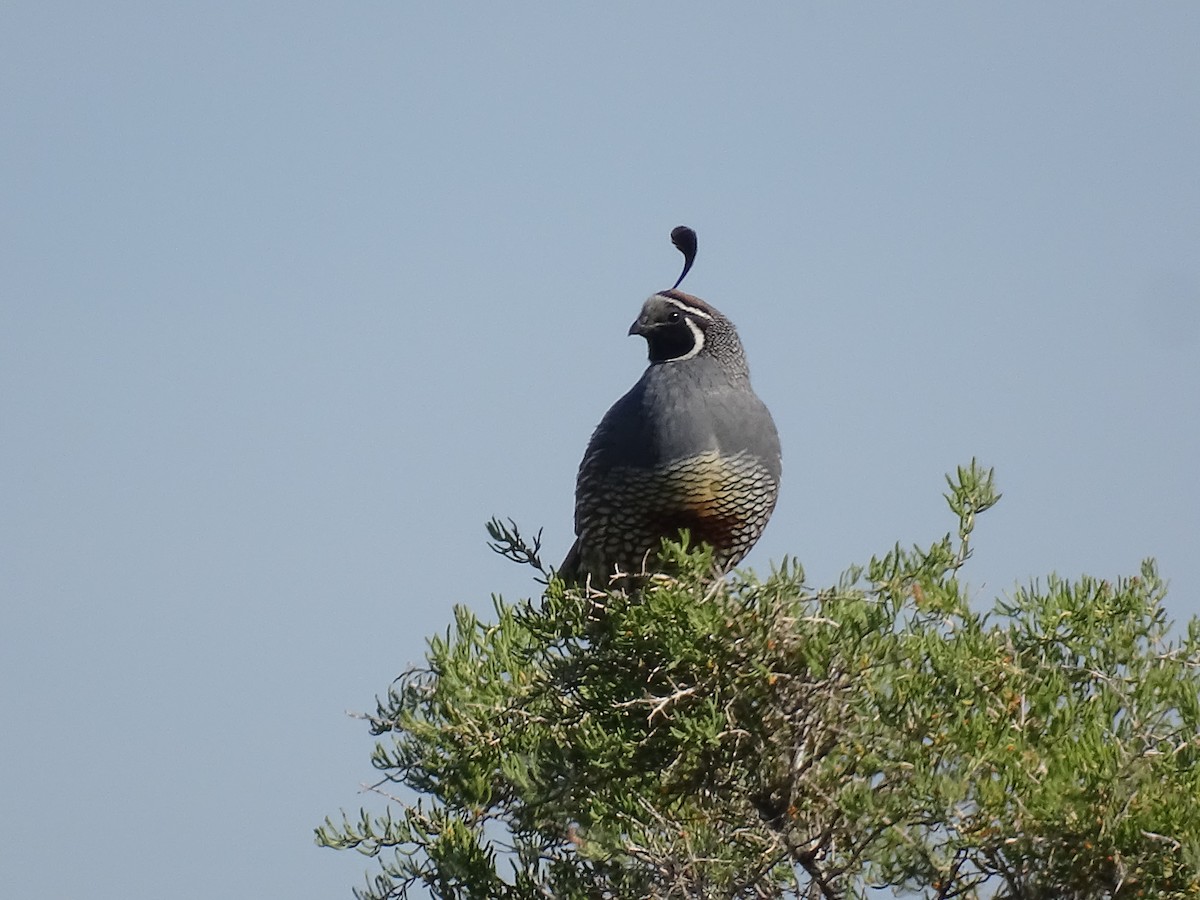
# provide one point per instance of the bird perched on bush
(689, 447)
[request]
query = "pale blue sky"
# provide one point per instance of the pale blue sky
(296, 296)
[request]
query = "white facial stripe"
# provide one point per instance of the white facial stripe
(698, 334)
(690, 310)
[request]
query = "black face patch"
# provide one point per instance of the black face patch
(673, 340)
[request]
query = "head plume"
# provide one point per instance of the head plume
(684, 240)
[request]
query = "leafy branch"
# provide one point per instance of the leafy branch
(741, 737)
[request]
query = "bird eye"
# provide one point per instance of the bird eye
(674, 317)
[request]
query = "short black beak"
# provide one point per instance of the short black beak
(637, 327)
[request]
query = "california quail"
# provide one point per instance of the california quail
(689, 447)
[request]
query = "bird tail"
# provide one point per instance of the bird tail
(571, 569)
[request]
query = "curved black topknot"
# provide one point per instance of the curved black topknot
(684, 240)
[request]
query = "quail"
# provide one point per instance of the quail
(689, 447)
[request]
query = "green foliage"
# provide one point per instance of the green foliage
(736, 737)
